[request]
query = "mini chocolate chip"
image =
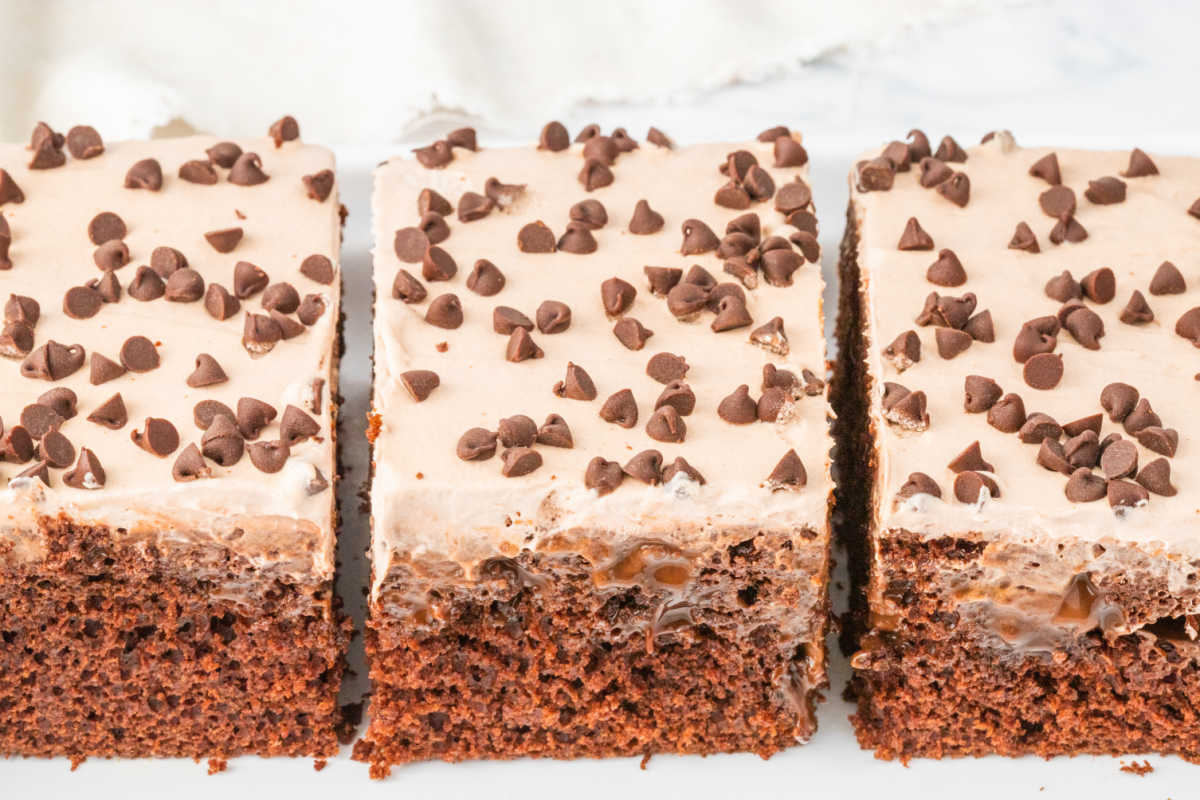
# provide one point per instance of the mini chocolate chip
(971, 458)
(1047, 169)
(875, 175)
(1188, 325)
(219, 303)
(980, 393)
(602, 475)
(312, 307)
(17, 446)
(904, 351)
(410, 244)
(517, 431)
(1063, 288)
(38, 470)
(61, 399)
(731, 314)
(732, 195)
(222, 441)
(662, 279)
(685, 300)
(224, 240)
(106, 227)
(950, 312)
(974, 487)
(947, 270)
(1068, 230)
(185, 286)
(247, 170)
(602, 149)
(503, 195)
(553, 317)
(445, 311)
(949, 150)
(914, 237)
(145, 174)
(190, 465)
(84, 142)
(1119, 400)
(420, 383)
(40, 420)
(788, 152)
(918, 483)
(1043, 371)
(87, 473)
(1140, 165)
(738, 408)
(535, 237)
(933, 172)
(521, 347)
(620, 408)
(157, 437)
(284, 129)
(53, 361)
(81, 302)
(555, 433)
(793, 196)
(577, 239)
(1085, 326)
(951, 342)
(319, 185)
(166, 260)
(295, 426)
(519, 461)
(1137, 311)
(595, 174)
(1058, 202)
(462, 137)
(407, 288)
(617, 296)
(437, 265)
(1193, 209)
(789, 474)
(281, 297)
(485, 278)
(1082, 450)
(1167, 280)
(1164, 441)
(1119, 460)
(1156, 476)
(645, 220)
(772, 404)
(1024, 239)
(1052, 457)
(666, 425)
(111, 255)
(577, 385)
(589, 213)
(666, 367)
(631, 333)
(1099, 285)
(477, 444)
(505, 320)
(771, 336)
(138, 354)
(268, 457)
(659, 139)
(1123, 494)
(224, 154)
(956, 189)
(107, 286)
(980, 327)
(111, 413)
(473, 206)
(10, 192)
(317, 268)
(646, 467)
(697, 238)
(16, 340)
(200, 172)
(1106, 191)
(207, 372)
(260, 334)
(104, 369)
(1035, 337)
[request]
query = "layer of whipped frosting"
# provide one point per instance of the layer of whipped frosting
(270, 517)
(1132, 238)
(427, 501)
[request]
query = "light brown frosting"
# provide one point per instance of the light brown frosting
(426, 501)
(270, 518)
(1132, 238)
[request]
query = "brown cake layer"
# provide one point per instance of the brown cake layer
(126, 647)
(546, 654)
(1021, 672)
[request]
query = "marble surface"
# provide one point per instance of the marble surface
(1088, 74)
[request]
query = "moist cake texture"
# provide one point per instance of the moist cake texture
(1017, 451)
(168, 401)
(600, 450)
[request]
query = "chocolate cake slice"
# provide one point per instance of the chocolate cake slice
(168, 395)
(600, 450)
(1015, 398)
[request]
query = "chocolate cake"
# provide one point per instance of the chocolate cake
(1016, 377)
(170, 348)
(601, 472)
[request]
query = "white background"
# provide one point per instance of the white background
(849, 75)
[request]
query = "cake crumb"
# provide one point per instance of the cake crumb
(645, 760)
(319, 764)
(1141, 769)
(76, 761)
(216, 765)
(374, 424)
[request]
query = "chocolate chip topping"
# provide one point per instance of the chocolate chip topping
(157, 437)
(268, 457)
(553, 317)
(602, 475)
(646, 467)
(772, 337)
(1140, 165)
(555, 432)
(199, 172)
(407, 288)
(247, 171)
(577, 385)
(738, 408)
(904, 351)
(445, 311)
(645, 220)
(947, 270)
(971, 458)
(16, 340)
(111, 255)
(789, 474)
(184, 286)
(1043, 371)
(87, 473)
(535, 237)
(105, 227)
(207, 372)
(666, 367)
(589, 213)
(1123, 494)
(190, 465)
(281, 297)
(577, 239)
(317, 268)
(296, 426)
(914, 237)
(145, 174)
(219, 303)
(61, 400)
(1047, 169)
(485, 278)
(1052, 457)
(662, 279)
(58, 452)
(138, 354)
(617, 296)
(53, 361)
(1024, 239)
(933, 172)
(788, 152)
(260, 334)
(1156, 477)
(1084, 325)
(473, 206)
(1167, 280)
(1137, 311)
(222, 442)
(284, 129)
(517, 431)
(477, 444)
(224, 240)
(666, 425)
(319, 185)
(420, 383)
(40, 420)
(111, 413)
(224, 154)
(1058, 202)
(252, 416)
(519, 461)
(10, 192)
(1099, 285)
(1106, 191)
(83, 142)
(1067, 230)
(620, 408)
(81, 302)
(956, 189)
(521, 347)
(918, 483)
(697, 238)
(659, 139)
(17, 446)
(974, 487)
